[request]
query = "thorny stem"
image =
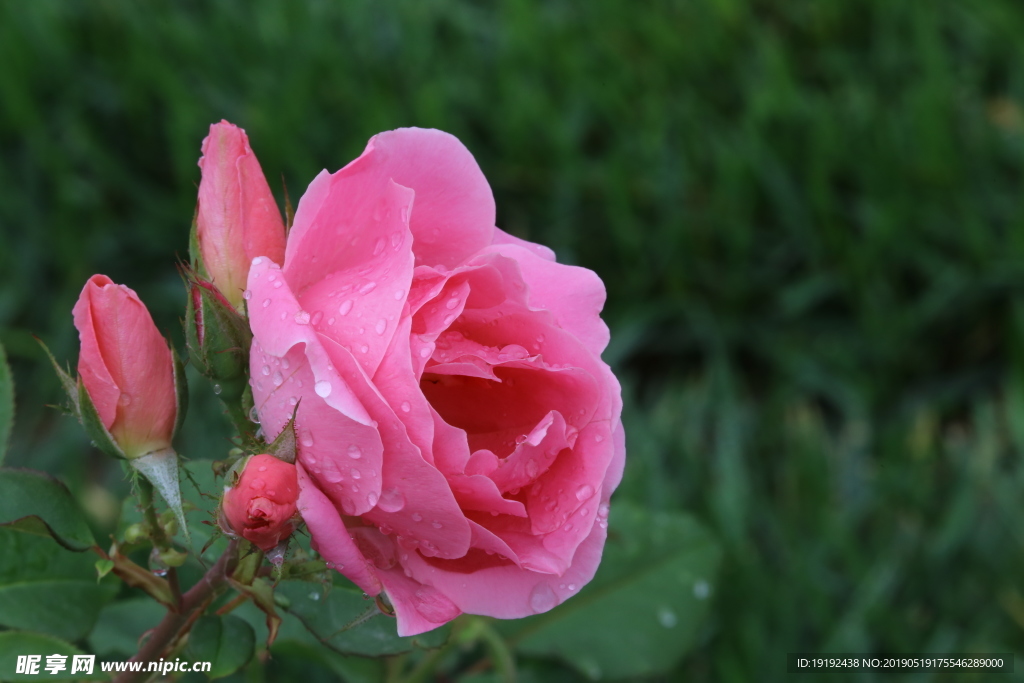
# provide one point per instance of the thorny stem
(160, 539)
(157, 533)
(173, 622)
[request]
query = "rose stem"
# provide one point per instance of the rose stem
(172, 622)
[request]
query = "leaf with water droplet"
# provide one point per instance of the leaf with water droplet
(640, 613)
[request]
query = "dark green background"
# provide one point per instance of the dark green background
(807, 213)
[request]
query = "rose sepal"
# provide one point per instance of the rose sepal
(180, 391)
(93, 424)
(218, 337)
(160, 468)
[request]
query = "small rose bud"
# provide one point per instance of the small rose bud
(261, 506)
(237, 219)
(128, 388)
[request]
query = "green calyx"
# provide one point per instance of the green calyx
(218, 338)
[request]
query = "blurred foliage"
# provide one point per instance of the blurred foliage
(807, 215)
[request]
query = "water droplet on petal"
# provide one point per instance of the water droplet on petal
(436, 524)
(364, 348)
(382, 325)
(531, 468)
(293, 401)
(368, 287)
(302, 318)
(424, 352)
(371, 499)
(584, 492)
(217, 389)
(354, 452)
(247, 294)
(346, 306)
(379, 246)
(330, 321)
(542, 598)
(399, 293)
(406, 407)
(278, 378)
(124, 399)
(356, 474)
(307, 441)
(265, 369)
(257, 484)
(322, 388)
(317, 317)
(253, 415)
(266, 302)
(258, 260)
(417, 517)
(277, 285)
(391, 500)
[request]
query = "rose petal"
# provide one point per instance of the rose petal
(418, 608)
(575, 476)
(331, 538)
(522, 592)
(336, 439)
(429, 512)
(574, 295)
(454, 215)
(501, 237)
(349, 261)
(397, 383)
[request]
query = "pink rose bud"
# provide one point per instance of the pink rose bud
(237, 219)
(126, 370)
(261, 506)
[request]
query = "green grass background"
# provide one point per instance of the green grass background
(808, 215)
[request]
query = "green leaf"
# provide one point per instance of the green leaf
(121, 624)
(6, 403)
(343, 620)
(350, 669)
(37, 503)
(228, 642)
(103, 567)
(47, 589)
(639, 615)
(16, 643)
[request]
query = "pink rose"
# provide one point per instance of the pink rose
(237, 218)
(126, 367)
(260, 507)
(458, 434)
